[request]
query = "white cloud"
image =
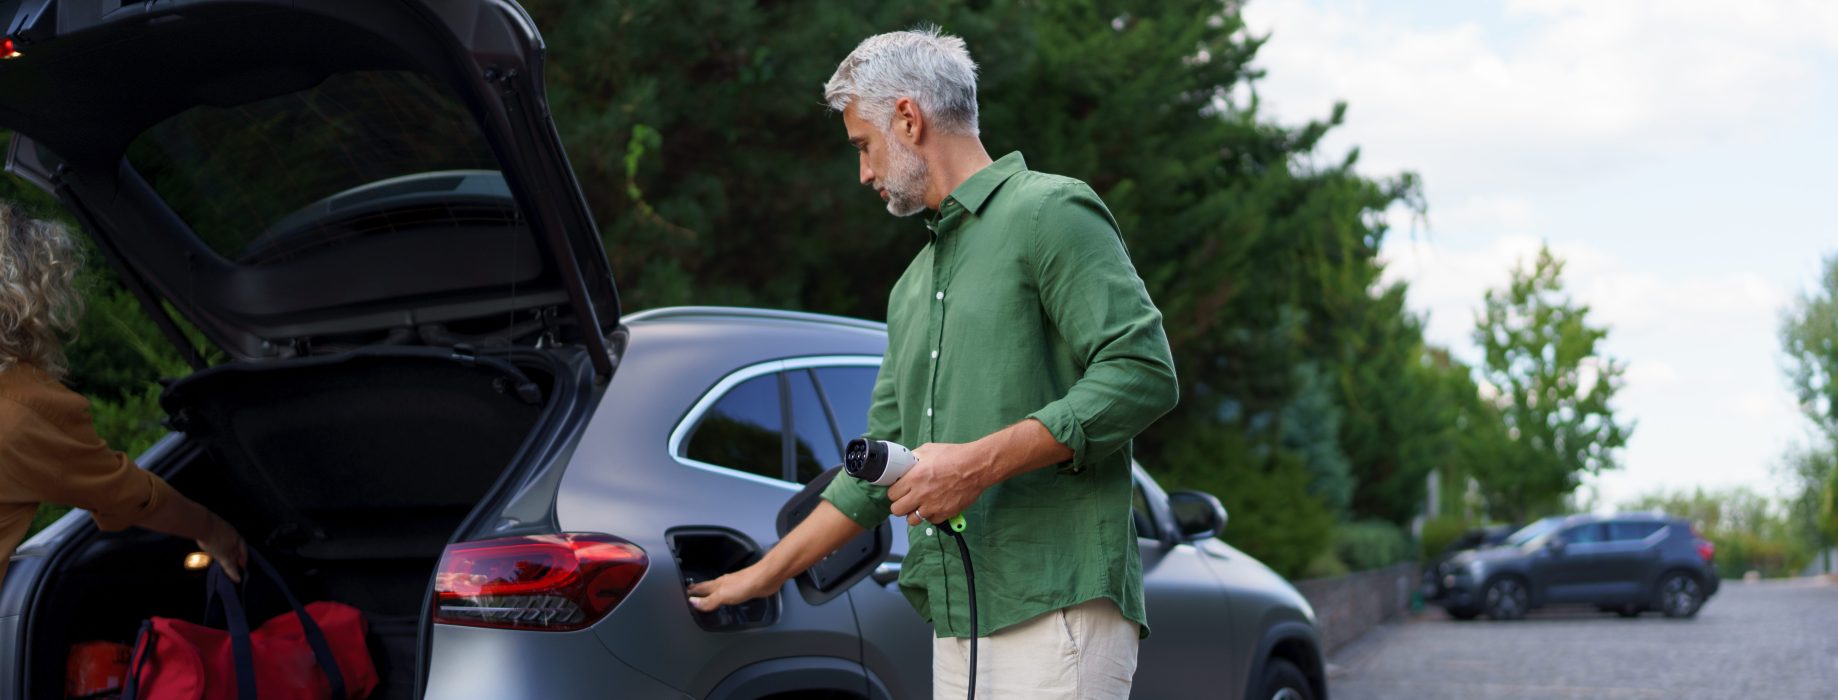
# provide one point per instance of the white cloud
(1627, 79)
(1639, 137)
(1651, 373)
(1760, 405)
(1505, 213)
(1450, 283)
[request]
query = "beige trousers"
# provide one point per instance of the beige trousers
(1087, 651)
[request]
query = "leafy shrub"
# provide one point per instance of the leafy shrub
(1438, 533)
(1371, 544)
(1325, 565)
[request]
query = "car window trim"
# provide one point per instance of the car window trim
(823, 399)
(788, 433)
(680, 434)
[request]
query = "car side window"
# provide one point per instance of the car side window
(1584, 534)
(816, 447)
(850, 390)
(1622, 531)
(745, 430)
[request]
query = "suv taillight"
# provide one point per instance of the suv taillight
(1706, 548)
(543, 582)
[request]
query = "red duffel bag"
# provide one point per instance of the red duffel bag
(316, 652)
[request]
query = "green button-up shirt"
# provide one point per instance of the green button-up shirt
(1023, 305)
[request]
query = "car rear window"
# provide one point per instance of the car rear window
(745, 430)
(231, 173)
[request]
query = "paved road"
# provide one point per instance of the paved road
(1760, 640)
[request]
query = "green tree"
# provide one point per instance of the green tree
(1554, 388)
(717, 177)
(1311, 428)
(1809, 338)
(1809, 343)
(1829, 509)
(1807, 469)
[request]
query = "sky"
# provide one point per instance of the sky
(1675, 153)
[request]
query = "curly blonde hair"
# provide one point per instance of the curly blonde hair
(39, 301)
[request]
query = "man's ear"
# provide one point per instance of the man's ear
(908, 122)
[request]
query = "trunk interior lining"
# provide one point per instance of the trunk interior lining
(350, 474)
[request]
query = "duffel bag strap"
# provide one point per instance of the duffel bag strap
(143, 650)
(315, 638)
(224, 592)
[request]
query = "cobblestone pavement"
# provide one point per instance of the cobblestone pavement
(1776, 639)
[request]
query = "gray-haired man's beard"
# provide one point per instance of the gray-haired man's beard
(905, 180)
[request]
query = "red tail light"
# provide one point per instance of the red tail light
(1706, 548)
(545, 582)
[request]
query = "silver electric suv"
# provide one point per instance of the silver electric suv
(430, 407)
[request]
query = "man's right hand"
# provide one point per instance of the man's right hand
(732, 589)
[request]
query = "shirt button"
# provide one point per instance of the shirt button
(934, 354)
(928, 532)
(941, 295)
(928, 413)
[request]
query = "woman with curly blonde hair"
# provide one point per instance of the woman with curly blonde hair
(49, 450)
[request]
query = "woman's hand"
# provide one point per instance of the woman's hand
(732, 589)
(226, 547)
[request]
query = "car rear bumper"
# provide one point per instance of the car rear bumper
(472, 662)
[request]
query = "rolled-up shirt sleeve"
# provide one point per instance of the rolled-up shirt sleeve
(864, 503)
(71, 465)
(1096, 301)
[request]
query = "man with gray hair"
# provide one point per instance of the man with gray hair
(1023, 355)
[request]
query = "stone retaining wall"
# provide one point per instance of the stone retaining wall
(1348, 606)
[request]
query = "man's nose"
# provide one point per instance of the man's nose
(864, 174)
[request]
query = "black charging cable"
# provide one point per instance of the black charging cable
(969, 583)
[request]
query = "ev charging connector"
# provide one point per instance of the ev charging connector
(882, 463)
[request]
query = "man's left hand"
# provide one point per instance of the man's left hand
(947, 478)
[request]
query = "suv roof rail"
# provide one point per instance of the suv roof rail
(693, 312)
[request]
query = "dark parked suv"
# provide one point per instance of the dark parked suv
(1626, 563)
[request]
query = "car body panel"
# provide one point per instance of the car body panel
(1206, 599)
(481, 663)
(625, 482)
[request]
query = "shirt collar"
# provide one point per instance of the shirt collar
(977, 190)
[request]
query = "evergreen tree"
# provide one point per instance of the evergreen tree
(718, 177)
